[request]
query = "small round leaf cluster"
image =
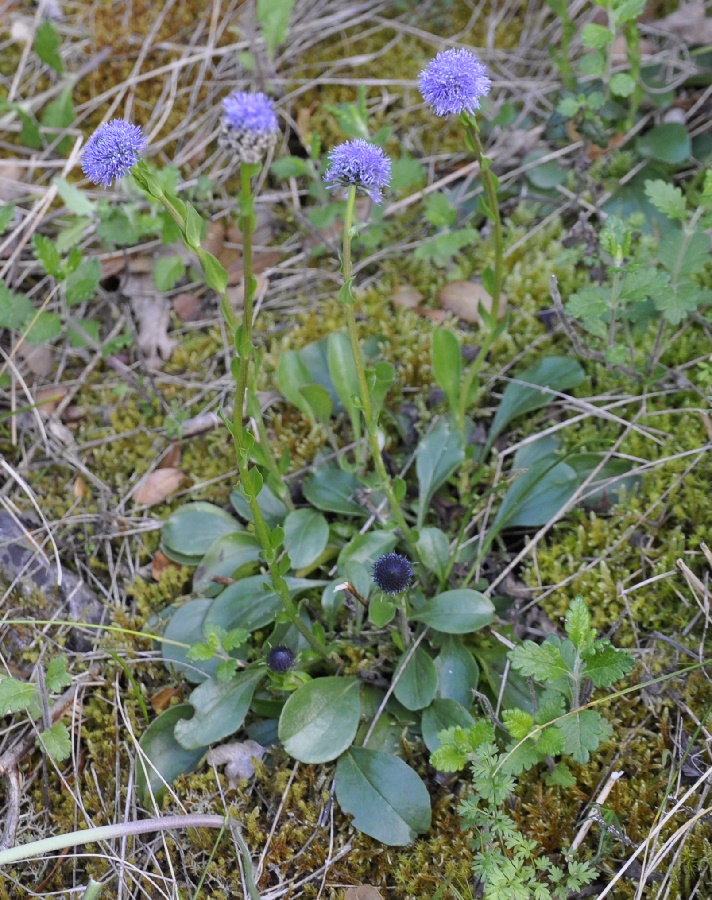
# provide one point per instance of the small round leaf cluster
(280, 659)
(112, 151)
(359, 163)
(393, 573)
(249, 125)
(454, 82)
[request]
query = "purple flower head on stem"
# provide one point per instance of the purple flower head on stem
(249, 125)
(360, 163)
(393, 573)
(112, 151)
(454, 82)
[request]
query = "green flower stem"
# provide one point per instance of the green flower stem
(245, 349)
(489, 184)
(188, 221)
(366, 407)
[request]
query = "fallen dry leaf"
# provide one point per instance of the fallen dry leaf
(161, 700)
(215, 238)
(113, 265)
(230, 258)
(237, 759)
(464, 299)
(172, 457)
(160, 563)
(156, 486)
(188, 307)
(11, 186)
(38, 357)
(79, 488)
(49, 397)
(153, 315)
(363, 892)
(406, 296)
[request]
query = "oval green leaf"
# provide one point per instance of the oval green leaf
(334, 490)
(189, 532)
(228, 554)
(186, 626)
(417, 682)
(458, 673)
(306, 533)
(457, 612)
(437, 457)
(387, 799)
(251, 603)
(320, 719)
(366, 548)
(166, 759)
(220, 709)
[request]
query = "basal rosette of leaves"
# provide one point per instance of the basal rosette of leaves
(403, 663)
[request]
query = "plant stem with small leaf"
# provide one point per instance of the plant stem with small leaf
(347, 299)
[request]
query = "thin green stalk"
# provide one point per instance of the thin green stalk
(367, 408)
(489, 184)
(243, 345)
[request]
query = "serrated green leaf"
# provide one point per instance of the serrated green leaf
(167, 272)
(60, 112)
(15, 695)
(439, 211)
(82, 283)
(56, 741)
(578, 624)
(15, 309)
(46, 45)
(518, 723)
(47, 255)
(543, 662)
(75, 199)
(45, 327)
(596, 37)
(606, 665)
(57, 676)
(666, 197)
(200, 653)
(6, 215)
(289, 167)
(622, 85)
(584, 731)
(550, 742)
(273, 17)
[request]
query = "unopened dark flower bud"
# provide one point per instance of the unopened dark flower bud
(393, 573)
(280, 659)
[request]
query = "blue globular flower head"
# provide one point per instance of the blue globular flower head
(280, 659)
(249, 125)
(393, 573)
(360, 163)
(112, 151)
(454, 82)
